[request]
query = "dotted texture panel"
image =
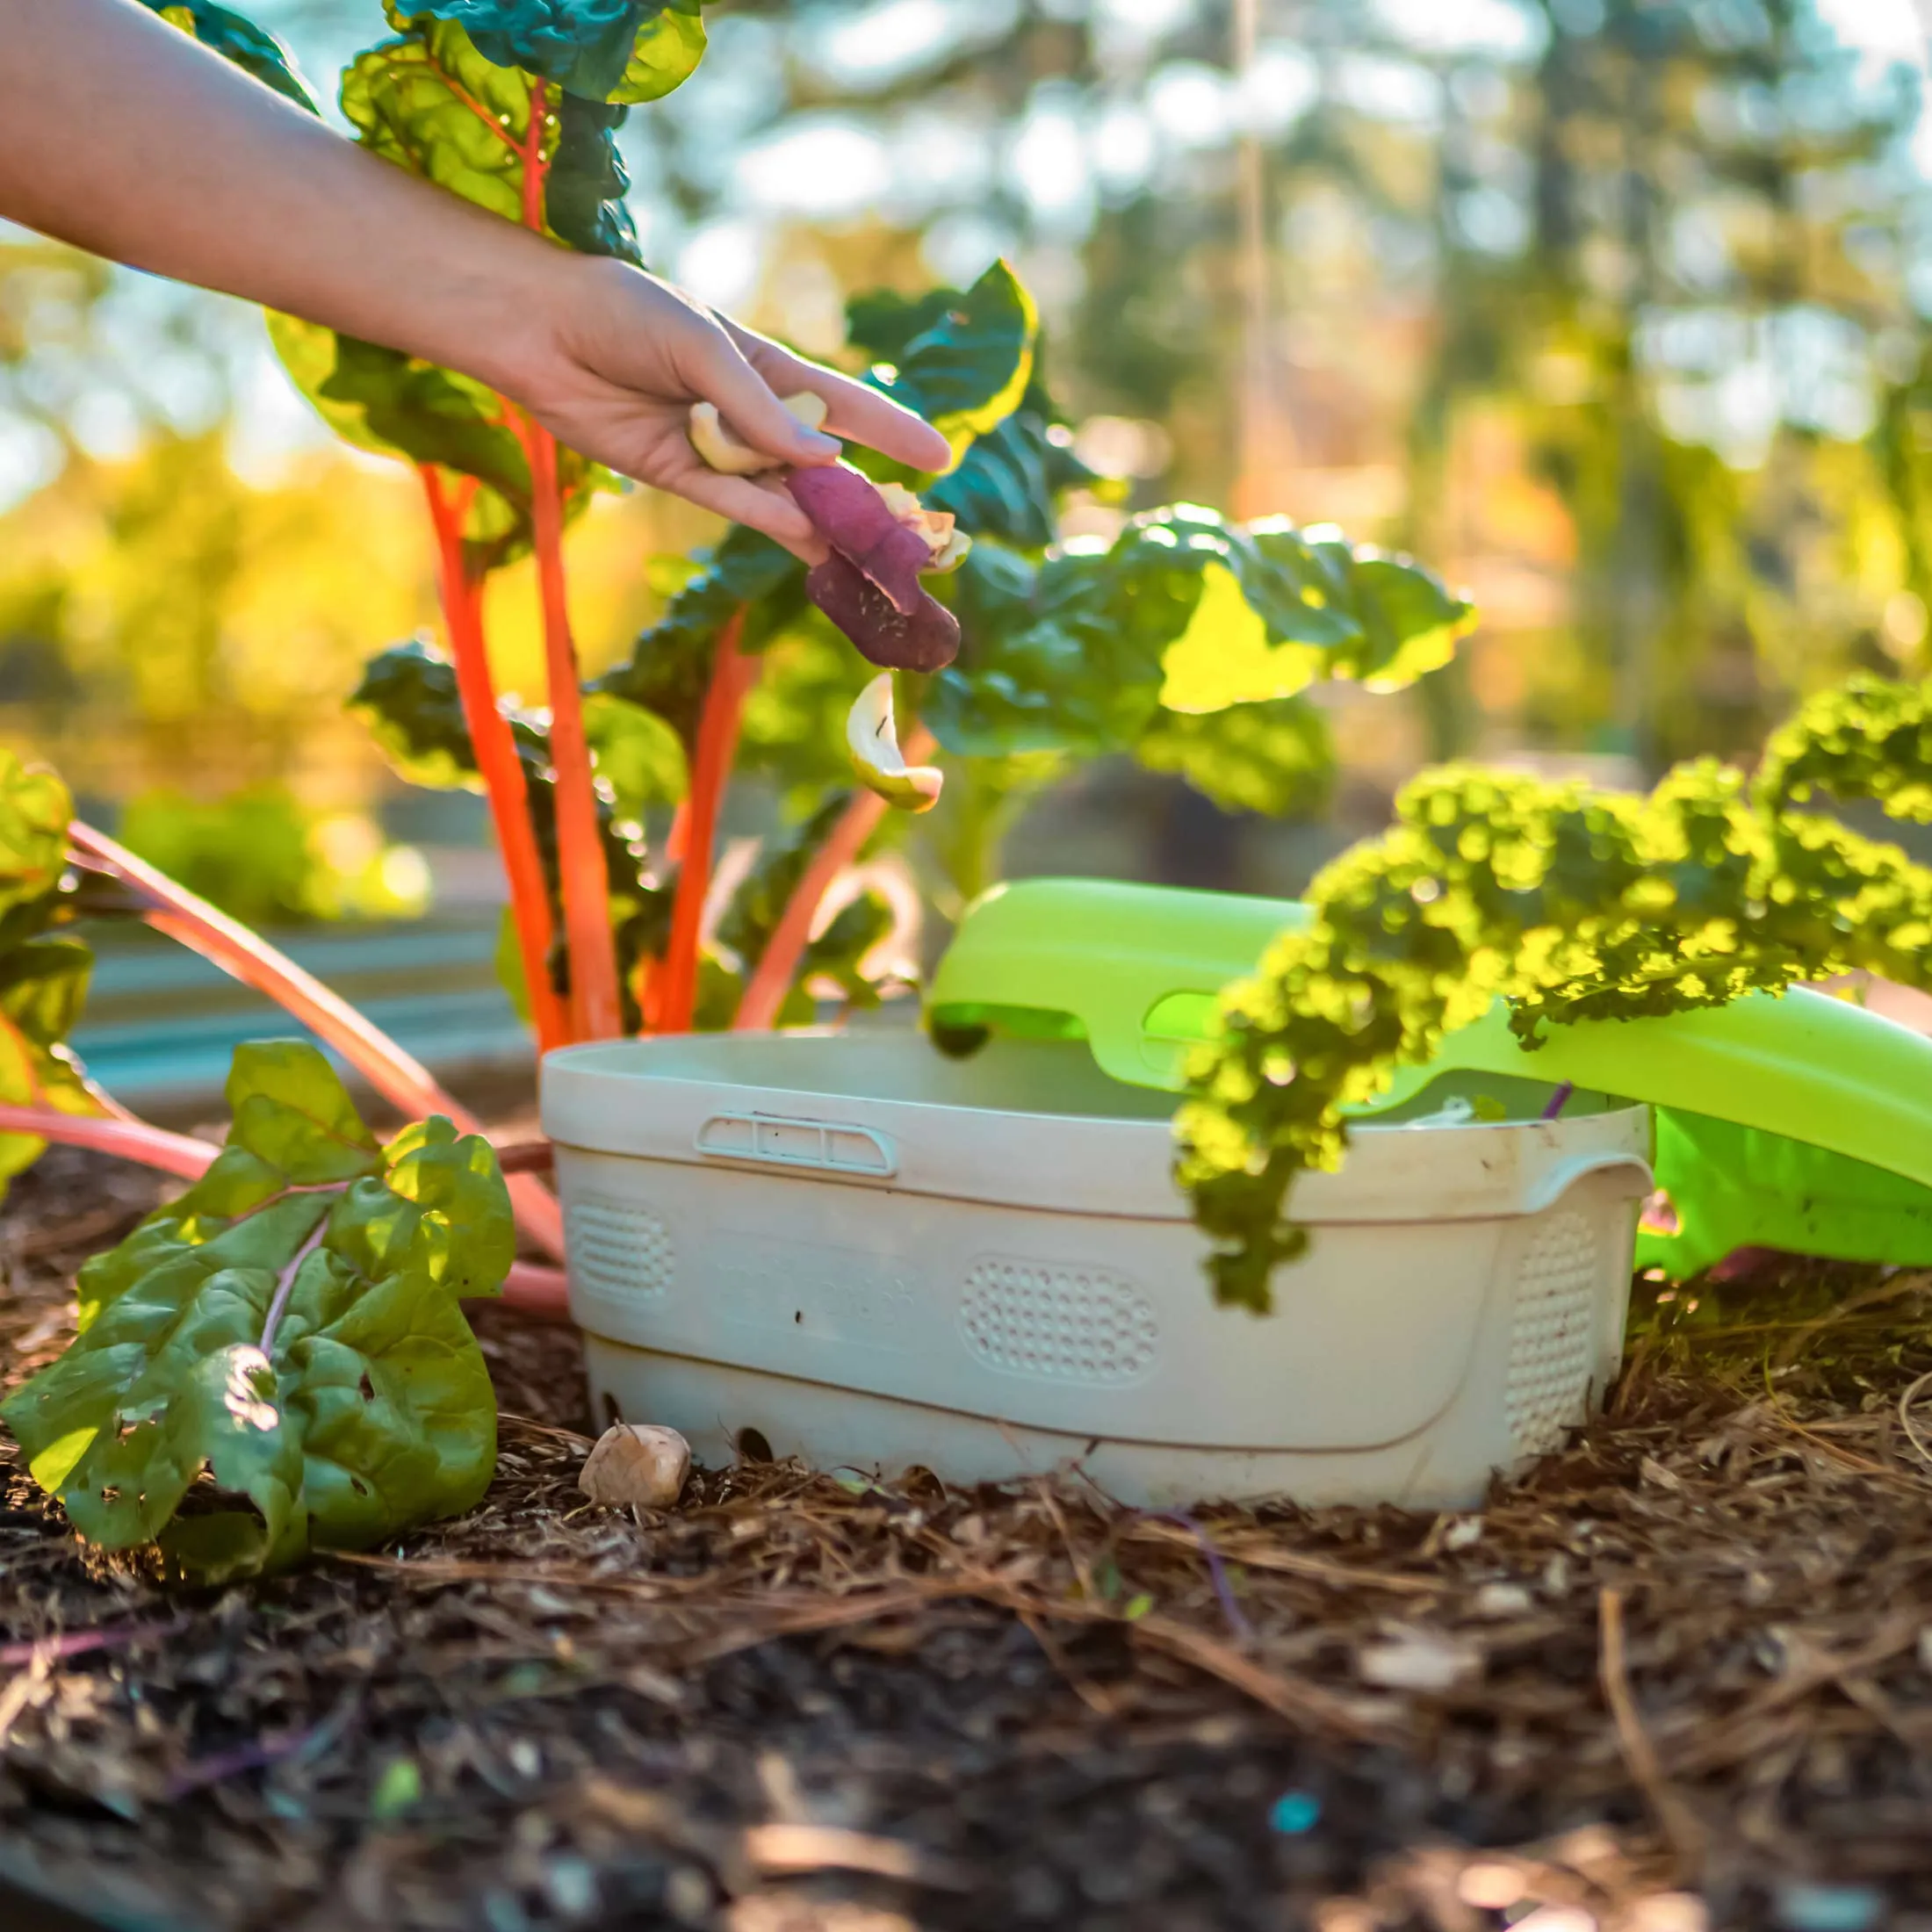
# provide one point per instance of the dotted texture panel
(617, 1250)
(1553, 1345)
(1059, 1324)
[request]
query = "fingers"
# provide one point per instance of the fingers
(762, 504)
(855, 411)
(746, 402)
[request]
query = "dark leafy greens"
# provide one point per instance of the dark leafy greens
(278, 1362)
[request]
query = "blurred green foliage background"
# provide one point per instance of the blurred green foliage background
(1615, 311)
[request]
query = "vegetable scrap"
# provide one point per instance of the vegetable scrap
(641, 1465)
(872, 738)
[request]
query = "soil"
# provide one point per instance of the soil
(1680, 1677)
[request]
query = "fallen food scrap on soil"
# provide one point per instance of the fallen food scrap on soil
(1682, 1675)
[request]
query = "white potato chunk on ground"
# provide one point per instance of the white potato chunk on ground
(718, 449)
(637, 1463)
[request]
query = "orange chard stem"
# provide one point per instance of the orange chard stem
(674, 982)
(596, 1006)
(778, 965)
(398, 1076)
(503, 770)
(595, 1001)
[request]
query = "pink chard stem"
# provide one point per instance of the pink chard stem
(398, 1077)
(778, 965)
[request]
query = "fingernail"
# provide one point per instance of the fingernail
(820, 445)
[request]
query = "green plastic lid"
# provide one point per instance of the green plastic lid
(1136, 970)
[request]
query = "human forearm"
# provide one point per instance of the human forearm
(124, 136)
(120, 134)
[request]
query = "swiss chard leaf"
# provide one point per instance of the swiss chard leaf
(1277, 759)
(409, 698)
(1007, 483)
(43, 979)
(625, 51)
(584, 190)
(430, 102)
(290, 1327)
(760, 901)
(638, 757)
(670, 664)
(239, 41)
(1184, 610)
(967, 363)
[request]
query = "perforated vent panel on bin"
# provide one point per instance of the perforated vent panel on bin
(618, 1251)
(1061, 1323)
(1553, 1341)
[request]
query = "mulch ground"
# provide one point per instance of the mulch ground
(1680, 1678)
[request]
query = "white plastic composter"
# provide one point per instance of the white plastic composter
(874, 1256)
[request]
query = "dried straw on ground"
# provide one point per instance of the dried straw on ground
(1681, 1676)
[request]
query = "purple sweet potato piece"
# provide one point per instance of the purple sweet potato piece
(924, 638)
(848, 512)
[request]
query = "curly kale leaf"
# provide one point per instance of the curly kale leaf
(289, 1330)
(1870, 739)
(1571, 904)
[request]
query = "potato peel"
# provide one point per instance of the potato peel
(872, 737)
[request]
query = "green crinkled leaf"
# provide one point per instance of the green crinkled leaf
(1007, 483)
(1277, 759)
(394, 405)
(666, 54)
(431, 103)
(1870, 739)
(35, 807)
(291, 1113)
(1183, 610)
(1571, 904)
(670, 664)
(966, 366)
(358, 1408)
(43, 979)
(637, 754)
(599, 50)
(584, 191)
(838, 953)
(408, 697)
(750, 918)
(239, 41)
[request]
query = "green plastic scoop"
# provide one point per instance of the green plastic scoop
(1803, 1123)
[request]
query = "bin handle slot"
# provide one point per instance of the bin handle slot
(783, 1140)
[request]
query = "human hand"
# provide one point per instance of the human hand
(618, 358)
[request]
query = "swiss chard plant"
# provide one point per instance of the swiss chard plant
(290, 1325)
(276, 1362)
(1184, 640)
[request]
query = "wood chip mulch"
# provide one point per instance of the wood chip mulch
(1679, 1678)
